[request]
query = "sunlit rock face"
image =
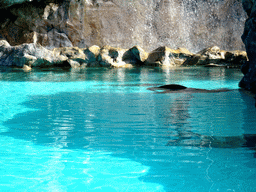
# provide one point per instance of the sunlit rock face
(249, 38)
(191, 24)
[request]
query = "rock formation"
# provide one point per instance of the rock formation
(30, 55)
(214, 56)
(249, 38)
(165, 56)
(76, 33)
(121, 23)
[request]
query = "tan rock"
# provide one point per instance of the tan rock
(110, 56)
(165, 56)
(4, 43)
(33, 55)
(26, 68)
(73, 63)
(30, 60)
(236, 58)
(128, 66)
(213, 52)
(195, 60)
(139, 53)
(214, 56)
(136, 55)
(83, 66)
(73, 53)
(95, 50)
(180, 55)
(211, 55)
(91, 55)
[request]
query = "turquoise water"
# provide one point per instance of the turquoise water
(103, 130)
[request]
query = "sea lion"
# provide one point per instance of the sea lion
(172, 87)
(176, 88)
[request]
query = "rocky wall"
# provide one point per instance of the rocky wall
(249, 38)
(194, 24)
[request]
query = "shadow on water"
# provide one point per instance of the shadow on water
(147, 128)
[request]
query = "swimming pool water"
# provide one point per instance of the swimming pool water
(103, 130)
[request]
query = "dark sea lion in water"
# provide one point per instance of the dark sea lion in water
(175, 88)
(172, 87)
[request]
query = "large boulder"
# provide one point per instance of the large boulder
(164, 56)
(236, 58)
(135, 55)
(214, 56)
(91, 54)
(111, 57)
(211, 55)
(75, 55)
(32, 55)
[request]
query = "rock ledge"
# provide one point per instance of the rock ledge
(30, 55)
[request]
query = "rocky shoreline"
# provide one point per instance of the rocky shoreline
(32, 55)
(57, 33)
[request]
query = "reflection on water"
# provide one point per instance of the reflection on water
(178, 115)
(190, 141)
(196, 140)
(63, 119)
(161, 75)
(146, 127)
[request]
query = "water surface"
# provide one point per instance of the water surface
(103, 130)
